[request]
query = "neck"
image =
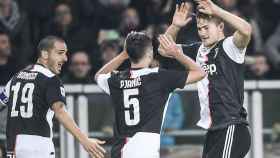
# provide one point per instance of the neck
(214, 44)
(42, 62)
(141, 64)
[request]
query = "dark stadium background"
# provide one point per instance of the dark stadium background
(95, 30)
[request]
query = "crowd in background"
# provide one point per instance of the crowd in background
(94, 31)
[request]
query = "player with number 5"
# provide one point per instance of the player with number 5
(140, 94)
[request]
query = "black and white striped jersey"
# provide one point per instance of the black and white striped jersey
(29, 96)
(221, 92)
(139, 97)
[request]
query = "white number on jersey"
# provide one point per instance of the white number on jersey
(135, 103)
(26, 98)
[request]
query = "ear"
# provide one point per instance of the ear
(222, 26)
(45, 54)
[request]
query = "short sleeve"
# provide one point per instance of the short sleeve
(102, 81)
(172, 79)
(190, 49)
(4, 95)
(234, 53)
(55, 91)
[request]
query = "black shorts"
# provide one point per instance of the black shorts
(231, 142)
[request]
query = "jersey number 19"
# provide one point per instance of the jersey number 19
(25, 99)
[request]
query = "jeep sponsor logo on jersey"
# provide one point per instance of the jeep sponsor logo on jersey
(210, 69)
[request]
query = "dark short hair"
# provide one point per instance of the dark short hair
(47, 44)
(136, 45)
(215, 19)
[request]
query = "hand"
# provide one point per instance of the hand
(92, 146)
(207, 7)
(182, 15)
(168, 47)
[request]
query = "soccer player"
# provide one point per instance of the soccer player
(33, 96)
(140, 94)
(221, 91)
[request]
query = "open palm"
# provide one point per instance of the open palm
(181, 16)
(169, 46)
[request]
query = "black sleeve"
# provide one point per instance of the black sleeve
(55, 91)
(191, 49)
(172, 79)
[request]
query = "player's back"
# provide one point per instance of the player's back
(30, 94)
(139, 97)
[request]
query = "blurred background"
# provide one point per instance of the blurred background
(94, 31)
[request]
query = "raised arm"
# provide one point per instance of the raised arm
(242, 35)
(195, 72)
(113, 64)
(181, 18)
(92, 146)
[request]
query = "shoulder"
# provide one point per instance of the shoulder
(42, 70)
(234, 53)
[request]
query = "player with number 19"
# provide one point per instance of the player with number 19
(140, 94)
(33, 96)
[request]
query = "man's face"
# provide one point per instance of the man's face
(5, 47)
(57, 57)
(80, 65)
(209, 32)
(63, 15)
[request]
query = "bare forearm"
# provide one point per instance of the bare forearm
(67, 121)
(173, 31)
(113, 64)
(187, 62)
(195, 72)
(236, 22)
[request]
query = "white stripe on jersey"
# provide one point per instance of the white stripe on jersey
(102, 79)
(228, 142)
(231, 140)
(43, 70)
(203, 90)
(142, 72)
(234, 53)
(49, 117)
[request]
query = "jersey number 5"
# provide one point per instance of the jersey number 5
(131, 99)
(26, 98)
